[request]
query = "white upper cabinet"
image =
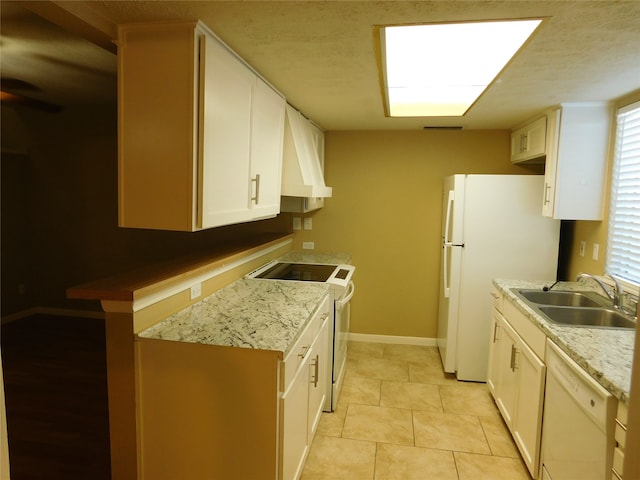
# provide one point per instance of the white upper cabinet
(200, 132)
(576, 162)
(528, 143)
(267, 127)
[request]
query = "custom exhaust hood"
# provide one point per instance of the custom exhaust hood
(303, 162)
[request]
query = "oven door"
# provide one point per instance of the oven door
(342, 312)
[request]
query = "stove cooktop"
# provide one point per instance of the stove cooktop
(298, 271)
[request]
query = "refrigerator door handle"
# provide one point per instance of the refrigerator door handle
(445, 270)
(447, 220)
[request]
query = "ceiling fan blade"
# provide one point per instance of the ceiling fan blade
(7, 83)
(13, 99)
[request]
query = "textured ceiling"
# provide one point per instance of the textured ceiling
(322, 55)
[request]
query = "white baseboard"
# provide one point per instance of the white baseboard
(370, 338)
(60, 312)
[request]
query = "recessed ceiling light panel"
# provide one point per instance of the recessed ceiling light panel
(441, 69)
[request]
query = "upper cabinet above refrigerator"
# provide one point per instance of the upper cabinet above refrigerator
(572, 141)
(528, 143)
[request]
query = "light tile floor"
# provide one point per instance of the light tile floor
(400, 417)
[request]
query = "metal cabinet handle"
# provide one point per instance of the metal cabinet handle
(616, 474)
(256, 198)
(305, 349)
(316, 366)
(547, 189)
(622, 425)
(495, 332)
(514, 351)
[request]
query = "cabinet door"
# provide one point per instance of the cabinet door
(527, 424)
(536, 138)
(553, 129)
(508, 374)
(529, 142)
(493, 372)
(576, 161)
(226, 86)
(318, 379)
(295, 412)
(517, 145)
(267, 134)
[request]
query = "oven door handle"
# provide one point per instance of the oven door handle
(351, 288)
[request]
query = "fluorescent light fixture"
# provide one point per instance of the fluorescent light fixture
(441, 69)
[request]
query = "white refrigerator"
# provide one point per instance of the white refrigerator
(492, 227)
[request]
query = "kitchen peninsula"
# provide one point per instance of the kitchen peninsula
(136, 301)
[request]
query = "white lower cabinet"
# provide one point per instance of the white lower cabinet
(617, 469)
(527, 424)
(303, 399)
(295, 408)
(516, 380)
(209, 412)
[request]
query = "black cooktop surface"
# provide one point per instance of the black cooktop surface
(298, 271)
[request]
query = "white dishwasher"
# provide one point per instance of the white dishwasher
(578, 426)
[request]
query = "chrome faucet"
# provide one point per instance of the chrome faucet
(615, 296)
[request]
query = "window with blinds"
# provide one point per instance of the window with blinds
(623, 245)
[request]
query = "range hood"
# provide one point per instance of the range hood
(303, 158)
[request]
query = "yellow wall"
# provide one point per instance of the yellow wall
(386, 212)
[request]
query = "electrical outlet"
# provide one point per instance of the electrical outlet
(308, 224)
(297, 223)
(583, 247)
(308, 245)
(596, 251)
(196, 291)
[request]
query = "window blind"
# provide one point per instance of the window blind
(623, 245)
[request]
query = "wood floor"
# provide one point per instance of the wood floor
(55, 378)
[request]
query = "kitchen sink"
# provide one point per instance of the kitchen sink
(586, 317)
(563, 298)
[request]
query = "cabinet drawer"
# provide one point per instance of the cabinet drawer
(621, 425)
(530, 333)
(621, 433)
(623, 413)
(302, 347)
(618, 461)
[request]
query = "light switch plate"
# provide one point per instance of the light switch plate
(297, 223)
(308, 224)
(308, 245)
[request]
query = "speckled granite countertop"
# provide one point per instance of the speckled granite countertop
(606, 354)
(310, 256)
(247, 313)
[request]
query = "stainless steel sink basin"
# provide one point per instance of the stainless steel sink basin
(586, 317)
(562, 298)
